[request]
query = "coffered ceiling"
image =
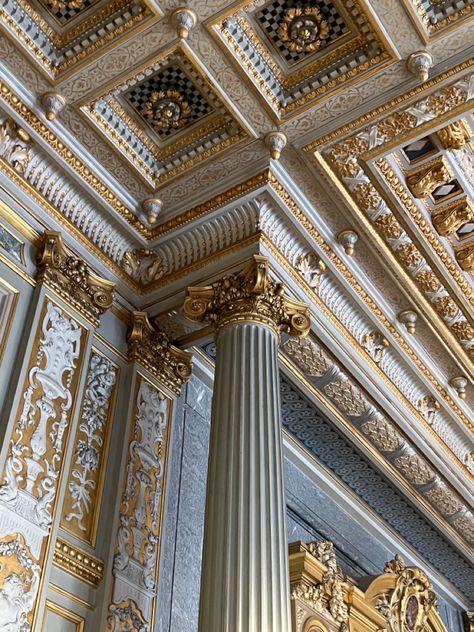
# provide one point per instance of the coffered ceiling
(152, 154)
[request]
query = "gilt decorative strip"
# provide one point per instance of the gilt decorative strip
(30, 477)
(82, 502)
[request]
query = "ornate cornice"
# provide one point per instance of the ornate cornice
(336, 386)
(153, 350)
(72, 278)
(77, 562)
(248, 296)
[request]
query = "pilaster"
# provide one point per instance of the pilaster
(158, 372)
(66, 306)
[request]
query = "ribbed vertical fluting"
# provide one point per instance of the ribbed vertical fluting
(244, 585)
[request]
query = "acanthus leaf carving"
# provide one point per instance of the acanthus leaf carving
(143, 265)
(72, 278)
(249, 295)
(14, 145)
(153, 349)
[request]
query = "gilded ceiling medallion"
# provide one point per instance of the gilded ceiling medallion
(167, 110)
(66, 5)
(303, 29)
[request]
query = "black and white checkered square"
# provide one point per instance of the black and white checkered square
(66, 12)
(272, 14)
(438, 11)
(171, 77)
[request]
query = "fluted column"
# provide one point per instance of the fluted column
(245, 586)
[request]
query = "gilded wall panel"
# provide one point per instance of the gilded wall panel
(137, 545)
(82, 502)
(35, 455)
(8, 302)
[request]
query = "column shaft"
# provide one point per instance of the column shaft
(245, 586)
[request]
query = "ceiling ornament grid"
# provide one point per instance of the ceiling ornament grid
(345, 43)
(348, 163)
(330, 447)
(165, 117)
(58, 41)
(434, 17)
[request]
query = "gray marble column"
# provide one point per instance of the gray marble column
(245, 585)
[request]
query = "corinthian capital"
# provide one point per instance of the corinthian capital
(153, 350)
(72, 278)
(248, 296)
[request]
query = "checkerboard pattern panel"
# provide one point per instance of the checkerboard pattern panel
(272, 14)
(438, 11)
(172, 77)
(65, 11)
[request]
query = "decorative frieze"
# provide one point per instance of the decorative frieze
(82, 501)
(72, 278)
(138, 536)
(331, 380)
(153, 350)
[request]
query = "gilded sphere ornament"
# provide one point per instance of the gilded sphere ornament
(303, 29)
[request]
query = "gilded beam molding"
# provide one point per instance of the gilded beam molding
(337, 391)
(153, 350)
(72, 279)
(346, 161)
(78, 562)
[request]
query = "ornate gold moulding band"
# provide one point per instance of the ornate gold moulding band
(77, 562)
(266, 177)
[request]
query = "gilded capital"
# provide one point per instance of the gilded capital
(72, 278)
(152, 348)
(249, 295)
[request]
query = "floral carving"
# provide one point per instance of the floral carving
(445, 306)
(455, 135)
(33, 464)
(167, 110)
(327, 596)
(84, 475)
(428, 281)
(463, 330)
(429, 407)
(409, 255)
(19, 580)
(303, 29)
(14, 145)
(389, 226)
